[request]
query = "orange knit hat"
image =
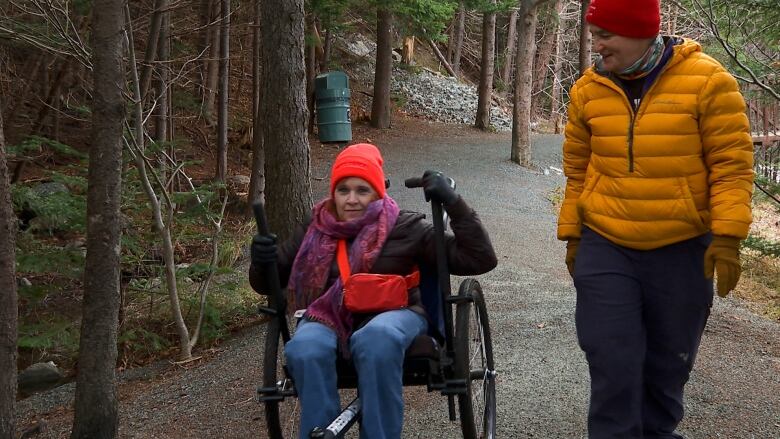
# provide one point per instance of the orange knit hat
(628, 18)
(361, 160)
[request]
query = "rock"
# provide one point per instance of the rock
(25, 283)
(238, 180)
(444, 99)
(358, 47)
(48, 188)
(39, 377)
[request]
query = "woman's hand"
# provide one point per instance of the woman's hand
(437, 188)
(263, 249)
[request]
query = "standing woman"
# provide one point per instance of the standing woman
(360, 229)
(658, 159)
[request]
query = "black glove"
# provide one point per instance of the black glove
(263, 249)
(437, 188)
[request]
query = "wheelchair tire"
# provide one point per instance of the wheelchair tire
(281, 417)
(474, 362)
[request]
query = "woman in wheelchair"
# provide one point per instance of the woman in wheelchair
(360, 229)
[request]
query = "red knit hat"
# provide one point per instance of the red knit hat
(628, 18)
(361, 160)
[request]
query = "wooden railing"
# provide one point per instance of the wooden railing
(765, 129)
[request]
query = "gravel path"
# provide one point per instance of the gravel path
(542, 382)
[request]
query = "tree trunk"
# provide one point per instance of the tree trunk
(442, 59)
(155, 25)
(584, 38)
(521, 113)
(163, 98)
(257, 175)
(555, 95)
(311, 69)
(53, 95)
(380, 107)
(96, 411)
(326, 51)
(224, 78)
(672, 12)
(203, 41)
(460, 31)
(543, 55)
(407, 52)
(212, 74)
(288, 172)
(509, 53)
(11, 109)
(9, 311)
(486, 74)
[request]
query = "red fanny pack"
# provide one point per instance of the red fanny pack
(369, 292)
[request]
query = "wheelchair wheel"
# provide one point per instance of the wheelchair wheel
(281, 417)
(474, 362)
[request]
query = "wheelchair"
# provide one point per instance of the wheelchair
(455, 357)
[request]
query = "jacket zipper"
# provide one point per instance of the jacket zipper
(631, 141)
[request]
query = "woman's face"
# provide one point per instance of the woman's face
(617, 52)
(352, 196)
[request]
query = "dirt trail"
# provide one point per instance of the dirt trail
(542, 382)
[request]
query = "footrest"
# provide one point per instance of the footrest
(273, 394)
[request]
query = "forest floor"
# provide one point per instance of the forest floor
(543, 381)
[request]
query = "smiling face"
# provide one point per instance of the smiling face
(352, 196)
(617, 52)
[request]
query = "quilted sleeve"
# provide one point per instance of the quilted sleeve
(728, 154)
(576, 155)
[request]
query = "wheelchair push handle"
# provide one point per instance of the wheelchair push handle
(272, 273)
(260, 219)
(413, 182)
(442, 268)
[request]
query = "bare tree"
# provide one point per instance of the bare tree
(486, 69)
(748, 35)
(380, 106)
(96, 411)
(509, 51)
(457, 42)
(311, 66)
(584, 38)
(521, 111)
(224, 78)
(9, 311)
(544, 53)
(257, 177)
(156, 23)
(163, 98)
(555, 93)
(212, 66)
(284, 115)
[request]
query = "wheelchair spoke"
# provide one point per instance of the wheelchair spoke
(478, 409)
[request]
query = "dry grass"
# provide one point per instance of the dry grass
(760, 282)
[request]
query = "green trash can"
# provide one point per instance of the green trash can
(331, 91)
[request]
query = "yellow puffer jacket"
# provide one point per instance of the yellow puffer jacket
(680, 166)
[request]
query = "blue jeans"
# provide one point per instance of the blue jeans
(378, 353)
(640, 316)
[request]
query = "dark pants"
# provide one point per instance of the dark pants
(640, 316)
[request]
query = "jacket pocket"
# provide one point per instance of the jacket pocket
(692, 213)
(587, 191)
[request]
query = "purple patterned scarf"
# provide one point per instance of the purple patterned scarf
(312, 264)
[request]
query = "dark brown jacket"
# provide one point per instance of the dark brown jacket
(410, 243)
